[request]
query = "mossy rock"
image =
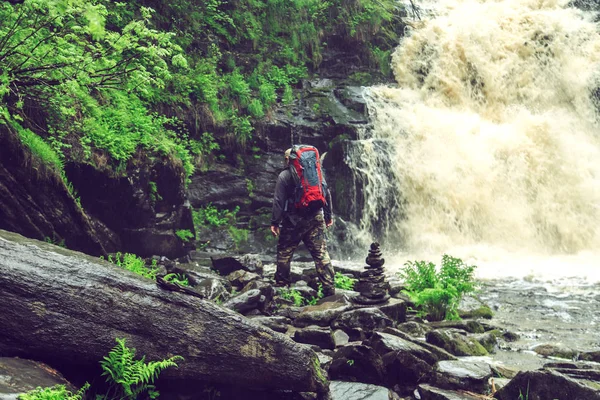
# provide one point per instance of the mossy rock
(482, 312)
(456, 342)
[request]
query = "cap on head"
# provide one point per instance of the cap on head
(287, 153)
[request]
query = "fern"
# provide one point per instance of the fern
(130, 378)
(57, 392)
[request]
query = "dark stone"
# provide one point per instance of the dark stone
(414, 329)
(543, 385)
(367, 319)
(384, 343)
(49, 294)
(213, 289)
(226, 265)
(244, 302)
(372, 284)
(465, 375)
(357, 363)
(341, 390)
(37, 204)
(241, 278)
(551, 350)
(440, 353)
(321, 314)
(405, 369)
(455, 342)
(278, 324)
(316, 336)
(395, 309)
(465, 325)
(428, 392)
(19, 376)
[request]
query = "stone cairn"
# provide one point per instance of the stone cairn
(372, 284)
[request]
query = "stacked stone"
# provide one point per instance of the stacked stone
(372, 284)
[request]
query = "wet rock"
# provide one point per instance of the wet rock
(372, 284)
(440, 353)
(395, 309)
(414, 329)
(504, 371)
(360, 391)
(488, 340)
(456, 342)
(241, 278)
(367, 319)
(543, 385)
(226, 265)
(244, 302)
(481, 312)
(278, 324)
(578, 370)
(20, 376)
(405, 370)
(465, 325)
(357, 363)
(590, 356)
(384, 343)
(321, 314)
(324, 360)
(465, 375)
(552, 350)
(316, 336)
(340, 337)
(213, 289)
(428, 392)
(266, 290)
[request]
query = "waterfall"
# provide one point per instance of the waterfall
(489, 147)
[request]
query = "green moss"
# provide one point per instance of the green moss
(482, 312)
(319, 371)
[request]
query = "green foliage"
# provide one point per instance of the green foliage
(438, 293)
(344, 282)
(350, 362)
(184, 234)
(313, 301)
(179, 279)
(130, 379)
(211, 216)
(94, 80)
(292, 295)
(133, 263)
(238, 235)
(57, 392)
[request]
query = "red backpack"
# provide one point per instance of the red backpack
(305, 165)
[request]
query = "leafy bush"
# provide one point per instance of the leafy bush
(438, 294)
(292, 295)
(179, 279)
(344, 282)
(130, 379)
(211, 216)
(184, 234)
(133, 263)
(57, 392)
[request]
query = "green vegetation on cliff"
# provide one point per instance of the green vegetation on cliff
(100, 81)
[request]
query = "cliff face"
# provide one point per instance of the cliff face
(116, 213)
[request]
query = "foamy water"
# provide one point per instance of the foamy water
(489, 148)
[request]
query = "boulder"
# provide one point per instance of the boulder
(244, 302)
(543, 385)
(465, 375)
(465, 325)
(278, 324)
(19, 376)
(49, 294)
(367, 319)
(441, 354)
(315, 336)
(456, 342)
(228, 264)
(358, 363)
(241, 278)
(414, 329)
(384, 343)
(322, 314)
(341, 390)
(553, 350)
(428, 392)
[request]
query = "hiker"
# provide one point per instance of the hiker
(301, 212)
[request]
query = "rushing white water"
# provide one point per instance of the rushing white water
(491, 140)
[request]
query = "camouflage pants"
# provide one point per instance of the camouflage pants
(312, 233)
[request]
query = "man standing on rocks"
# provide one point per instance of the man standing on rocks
(295, 220)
